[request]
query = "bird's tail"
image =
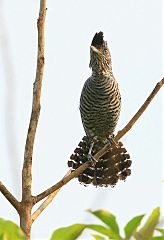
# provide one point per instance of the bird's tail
(113, 165)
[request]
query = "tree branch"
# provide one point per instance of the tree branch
(27, 167)
(9, 197)
(130, 124)
(27, 203)
(140, 111)
(61, 183)
(103, 150)
(41, 208)
(48, 200)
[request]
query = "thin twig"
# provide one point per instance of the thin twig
(48, 200)
(41, 208)
(9, 197)
(104, 149)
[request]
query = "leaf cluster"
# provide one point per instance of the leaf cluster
(109, 228)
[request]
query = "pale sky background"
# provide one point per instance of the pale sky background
(133, 30)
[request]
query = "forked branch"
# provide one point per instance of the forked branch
(46, 202)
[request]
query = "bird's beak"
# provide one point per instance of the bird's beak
(94, 49)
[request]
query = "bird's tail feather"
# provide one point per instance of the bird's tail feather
(113, 166)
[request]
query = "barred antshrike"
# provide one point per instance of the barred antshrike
(100, 105)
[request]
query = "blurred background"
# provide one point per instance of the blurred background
(133, 30)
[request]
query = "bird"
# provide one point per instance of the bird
(100, 100)
(100, 106)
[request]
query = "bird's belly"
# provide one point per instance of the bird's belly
(100, 119)
(100, 107)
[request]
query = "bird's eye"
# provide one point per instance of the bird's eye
(105, 50)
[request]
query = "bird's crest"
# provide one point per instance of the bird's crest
(98, 39)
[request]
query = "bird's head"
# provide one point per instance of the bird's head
(100, 59)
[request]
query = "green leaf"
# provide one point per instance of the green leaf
(74, 231)
(103, 230)
(160, 230)
(132, 226)
(98, 237)
(68, 233)
(108, 218)
(146, 232)
(9, 231)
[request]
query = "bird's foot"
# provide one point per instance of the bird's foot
(111, 139)
(92, 161)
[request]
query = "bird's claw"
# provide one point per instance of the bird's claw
(91, 160)
(111, 139)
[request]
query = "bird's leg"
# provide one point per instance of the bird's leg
(111, 139)
(91, 159)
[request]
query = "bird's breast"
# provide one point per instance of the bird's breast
(100, 106)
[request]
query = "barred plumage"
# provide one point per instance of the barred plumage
(100, 100)
(100, 104)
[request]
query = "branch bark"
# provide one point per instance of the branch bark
(48, 200)
(104, 149)
(14, 202)
(27, 203)
(140, 111)
(43, 206)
